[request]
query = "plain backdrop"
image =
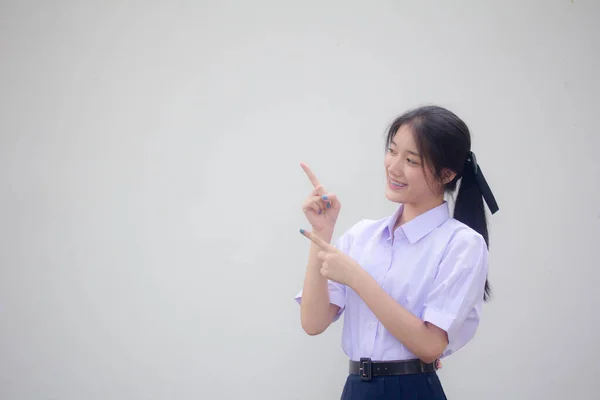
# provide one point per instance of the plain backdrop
(150, 187)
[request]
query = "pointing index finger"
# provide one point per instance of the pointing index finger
(311, 176)
(315, 239)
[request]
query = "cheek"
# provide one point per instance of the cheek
(430, 180)
(416, 177)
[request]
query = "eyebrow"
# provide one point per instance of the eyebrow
(408, 151)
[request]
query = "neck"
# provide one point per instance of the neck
(411, 211)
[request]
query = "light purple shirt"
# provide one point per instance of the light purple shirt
(434, 266)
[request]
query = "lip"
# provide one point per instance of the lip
(395, 180)
(394, 186)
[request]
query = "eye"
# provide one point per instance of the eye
(411, 161)
(391, 151)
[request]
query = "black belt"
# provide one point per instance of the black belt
(367, 369)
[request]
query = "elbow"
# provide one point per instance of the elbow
(430, 358)
(434, 348)
(431, 355)
(312, 326)
(312, 330)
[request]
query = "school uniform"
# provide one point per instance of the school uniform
(435, 267)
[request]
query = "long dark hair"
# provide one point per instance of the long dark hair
(444, 142)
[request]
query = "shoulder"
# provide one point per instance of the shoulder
(464, 244)
(463, 235)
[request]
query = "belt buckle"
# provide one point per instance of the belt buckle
(365, 369)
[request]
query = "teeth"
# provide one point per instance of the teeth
(397, 183)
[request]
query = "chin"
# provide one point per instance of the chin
(394, 197)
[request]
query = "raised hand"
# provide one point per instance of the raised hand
(320, 207)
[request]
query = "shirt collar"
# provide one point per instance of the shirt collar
(418, 227)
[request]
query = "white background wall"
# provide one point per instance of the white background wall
(150, 187)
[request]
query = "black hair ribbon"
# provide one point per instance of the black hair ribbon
(488, 196)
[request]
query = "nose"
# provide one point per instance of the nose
(395, 167)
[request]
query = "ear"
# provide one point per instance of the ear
(447, 176)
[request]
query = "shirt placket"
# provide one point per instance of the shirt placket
(384, 262)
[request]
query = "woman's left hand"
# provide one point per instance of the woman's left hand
(337, 266)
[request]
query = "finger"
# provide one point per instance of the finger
(316, 240)
(311, 176)
(311, 206)
(315, 204)
(322, 255)
(319, 190)
(331, 200)
(323, 199)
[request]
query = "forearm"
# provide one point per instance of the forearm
(423, 340)
(315, 304)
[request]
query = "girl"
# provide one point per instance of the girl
(413, 284)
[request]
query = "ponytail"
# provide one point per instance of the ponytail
(469, 208)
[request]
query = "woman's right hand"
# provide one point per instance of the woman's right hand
(320, 207)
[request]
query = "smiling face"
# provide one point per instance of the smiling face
(407, 181)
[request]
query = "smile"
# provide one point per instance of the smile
(395, 184)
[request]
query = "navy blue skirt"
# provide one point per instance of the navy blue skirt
(425, 386)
